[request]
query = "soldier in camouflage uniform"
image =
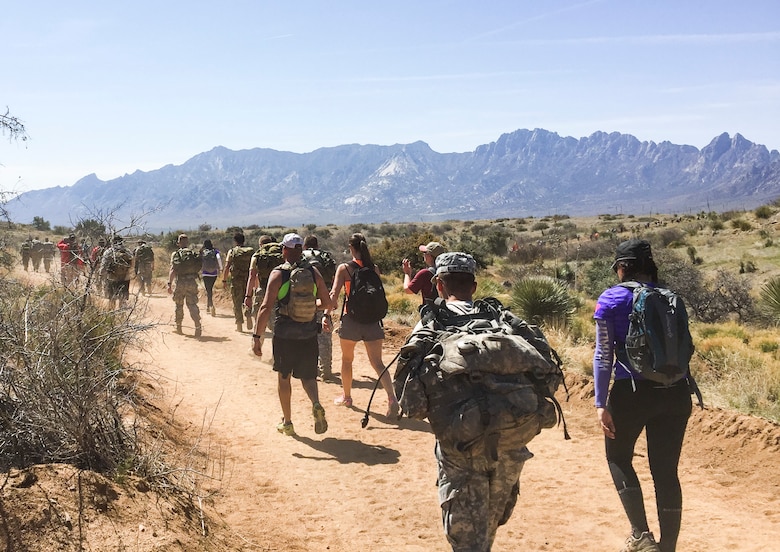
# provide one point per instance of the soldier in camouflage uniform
(186, 290)
(143, 261)
(478, 488)
(49, 249)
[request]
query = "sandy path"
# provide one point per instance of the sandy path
(374, 488)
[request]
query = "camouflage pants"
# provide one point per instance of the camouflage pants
(238, 293)
(257, 300)
(186, 291)
(477, 494)
(325, 344)
(145, 278)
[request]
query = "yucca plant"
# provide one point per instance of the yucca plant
(770, 300)
(543, 300)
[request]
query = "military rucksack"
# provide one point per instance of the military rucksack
(118, 261)
(324, 262)
(268, 257)
(186, 262)
(298, 293)
(241, 257)
(479, 374)
(144, 253)
(209, 262)
(659, 344)
(366, 302)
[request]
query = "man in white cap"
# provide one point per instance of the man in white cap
(295, 348)
(421, 283)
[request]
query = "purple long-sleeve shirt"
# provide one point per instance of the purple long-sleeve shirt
(612, 310)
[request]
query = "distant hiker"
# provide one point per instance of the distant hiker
(115, 266)
(421, 283)
(143, 262)
(185, 267)
(267, 257)
(26, 250)
(485, 380)
(210, 269)
(324, 262)
(356, 277)
(49, 249)
(95, 259)
(635, 404)
(237, 270)
(292, 291)
(36, 253)
(70, 259)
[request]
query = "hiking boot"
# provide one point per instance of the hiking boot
(239, 326)
(645, 543)
(198, 331)
(327, 375)
(285, 428)
(320, 423)
(212, 310)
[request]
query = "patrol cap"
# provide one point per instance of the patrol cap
(292, 240)
(182, 237)
(455, 262)
(632, 250)
(434, 248)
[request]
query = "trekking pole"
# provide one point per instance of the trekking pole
(364, 422)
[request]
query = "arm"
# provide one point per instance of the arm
(228, 263)
(265, 310)
(251, 284)
(602, 373)
(325, 303)
(406, 266)
(171, 277)
(338, 282)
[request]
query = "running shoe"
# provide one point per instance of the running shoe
(285, 428)
(645, 543)
(320, 423)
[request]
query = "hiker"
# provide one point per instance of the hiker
(295, 329)
(115, 271)
(26, 250)
(324, 262)
(351, 330)
(479, 473)
(421, 283)
(95, 258)
(36, 253)
(634, 404)
(237, 269)
(70, 260)
(185, 267)
(49, 249)
(267, 257)
(211, 267)
(143, 263)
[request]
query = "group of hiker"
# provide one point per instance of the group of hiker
(484, 378)
(33, 251)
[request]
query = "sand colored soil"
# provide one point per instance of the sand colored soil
(373, 488)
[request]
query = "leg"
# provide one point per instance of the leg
(284, 388)
(347, 356)
(238, 304)
(374, 351)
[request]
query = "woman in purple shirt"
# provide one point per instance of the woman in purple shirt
(634, 404)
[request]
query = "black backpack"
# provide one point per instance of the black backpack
(366, 301)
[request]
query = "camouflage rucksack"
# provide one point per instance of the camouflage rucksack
(265, 259)
(186, 262)
(241, 257)
(298, 294)
(118, 261)
(323, 261)
(145, 253)
(476, 375)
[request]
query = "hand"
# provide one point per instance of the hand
(406, 266)
(327, 324)
(606, 422)
(257, 347)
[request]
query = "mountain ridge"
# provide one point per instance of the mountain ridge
(523, 173)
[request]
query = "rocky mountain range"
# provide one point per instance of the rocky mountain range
(523, 173)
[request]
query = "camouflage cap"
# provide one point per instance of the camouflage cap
(455, 262)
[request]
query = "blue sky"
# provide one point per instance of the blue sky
(110, 87)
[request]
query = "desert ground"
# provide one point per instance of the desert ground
(373, 488)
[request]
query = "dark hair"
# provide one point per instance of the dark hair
(458, 284)
(638, 267)
(311, 242)
(207, 244)
(358, 242)
(239, 238)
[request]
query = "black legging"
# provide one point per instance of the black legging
(208, 283)
(663, 413)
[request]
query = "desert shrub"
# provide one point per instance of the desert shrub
(64, 394)
(487, 287)
(542, 300)
(390, 252)
(598, 277)
(764, 212)
(770, 300)
(716, 225)
(741, 224)
(539, 226)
